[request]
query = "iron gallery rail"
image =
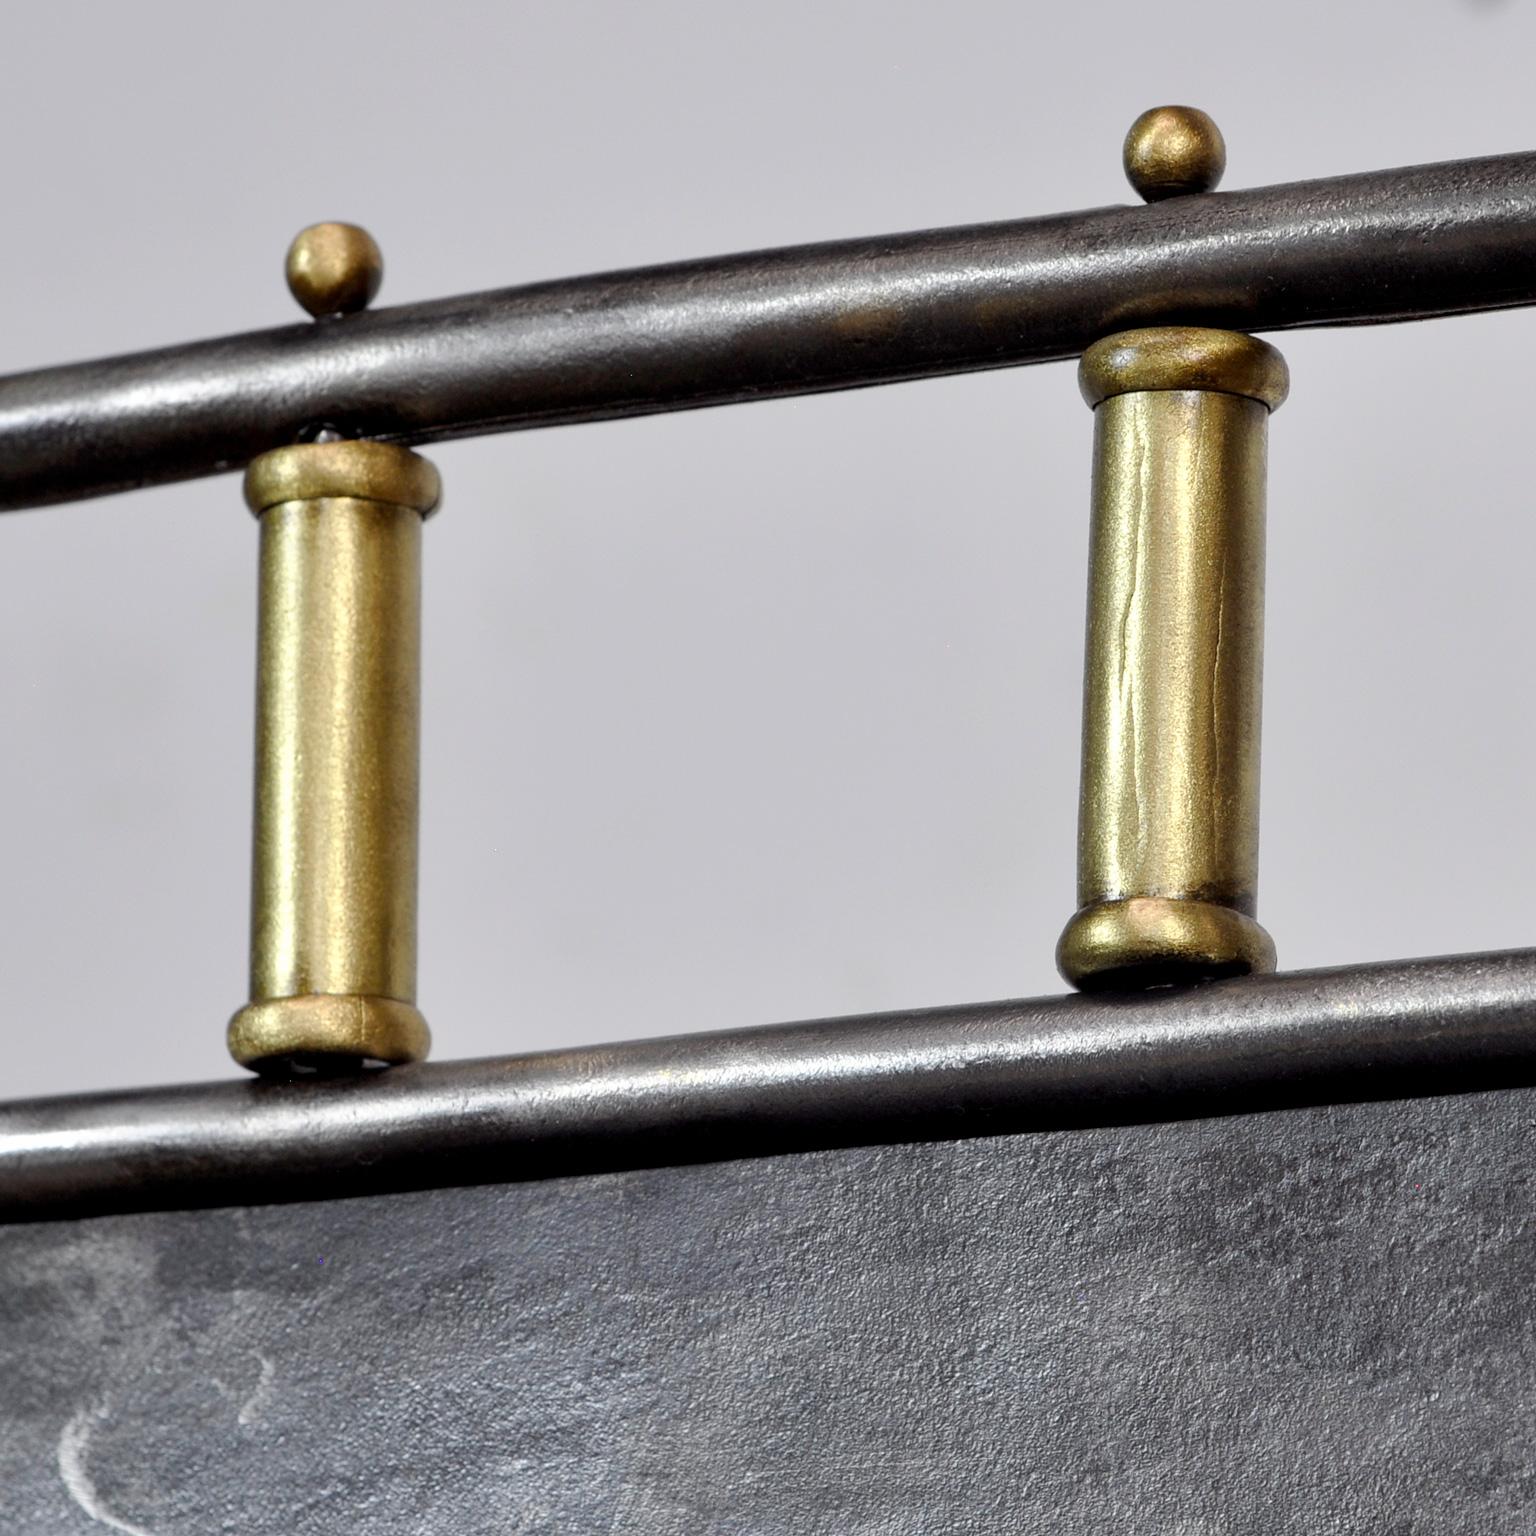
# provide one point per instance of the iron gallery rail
(1160, 302)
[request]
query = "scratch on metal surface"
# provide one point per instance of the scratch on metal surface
(74, 1441)
(253, 1405)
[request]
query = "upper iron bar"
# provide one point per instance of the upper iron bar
(1405, 244)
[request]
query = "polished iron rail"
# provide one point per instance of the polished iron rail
(1350, 250)
(1420, 1027)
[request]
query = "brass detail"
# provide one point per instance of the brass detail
(333, 929)
(365, 470)
(1183, 357)
(1168, 822)
(328, 1032)
(1147, 940)
(334, 269)
(1172, 151)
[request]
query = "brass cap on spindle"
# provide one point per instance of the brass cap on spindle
(356, 468)
(1184, 357)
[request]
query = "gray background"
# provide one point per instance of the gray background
(763, 712)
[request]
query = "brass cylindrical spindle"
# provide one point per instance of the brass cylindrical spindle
(1169, 813)
(333, 925)
(338, 712)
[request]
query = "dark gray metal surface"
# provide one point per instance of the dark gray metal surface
(1415, 1027)
(1390, 245)
(1295, 1324)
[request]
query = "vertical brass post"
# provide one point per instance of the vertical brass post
(338, 704)
(1168, 819)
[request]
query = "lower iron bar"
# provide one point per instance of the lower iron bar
(1418, 1027)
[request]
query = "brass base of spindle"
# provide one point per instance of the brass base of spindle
(1151, 941)
(327, 1033)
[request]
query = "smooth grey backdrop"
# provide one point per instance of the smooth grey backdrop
(764, 712)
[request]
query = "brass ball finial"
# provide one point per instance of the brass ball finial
(1172, 151)
(334, 269)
